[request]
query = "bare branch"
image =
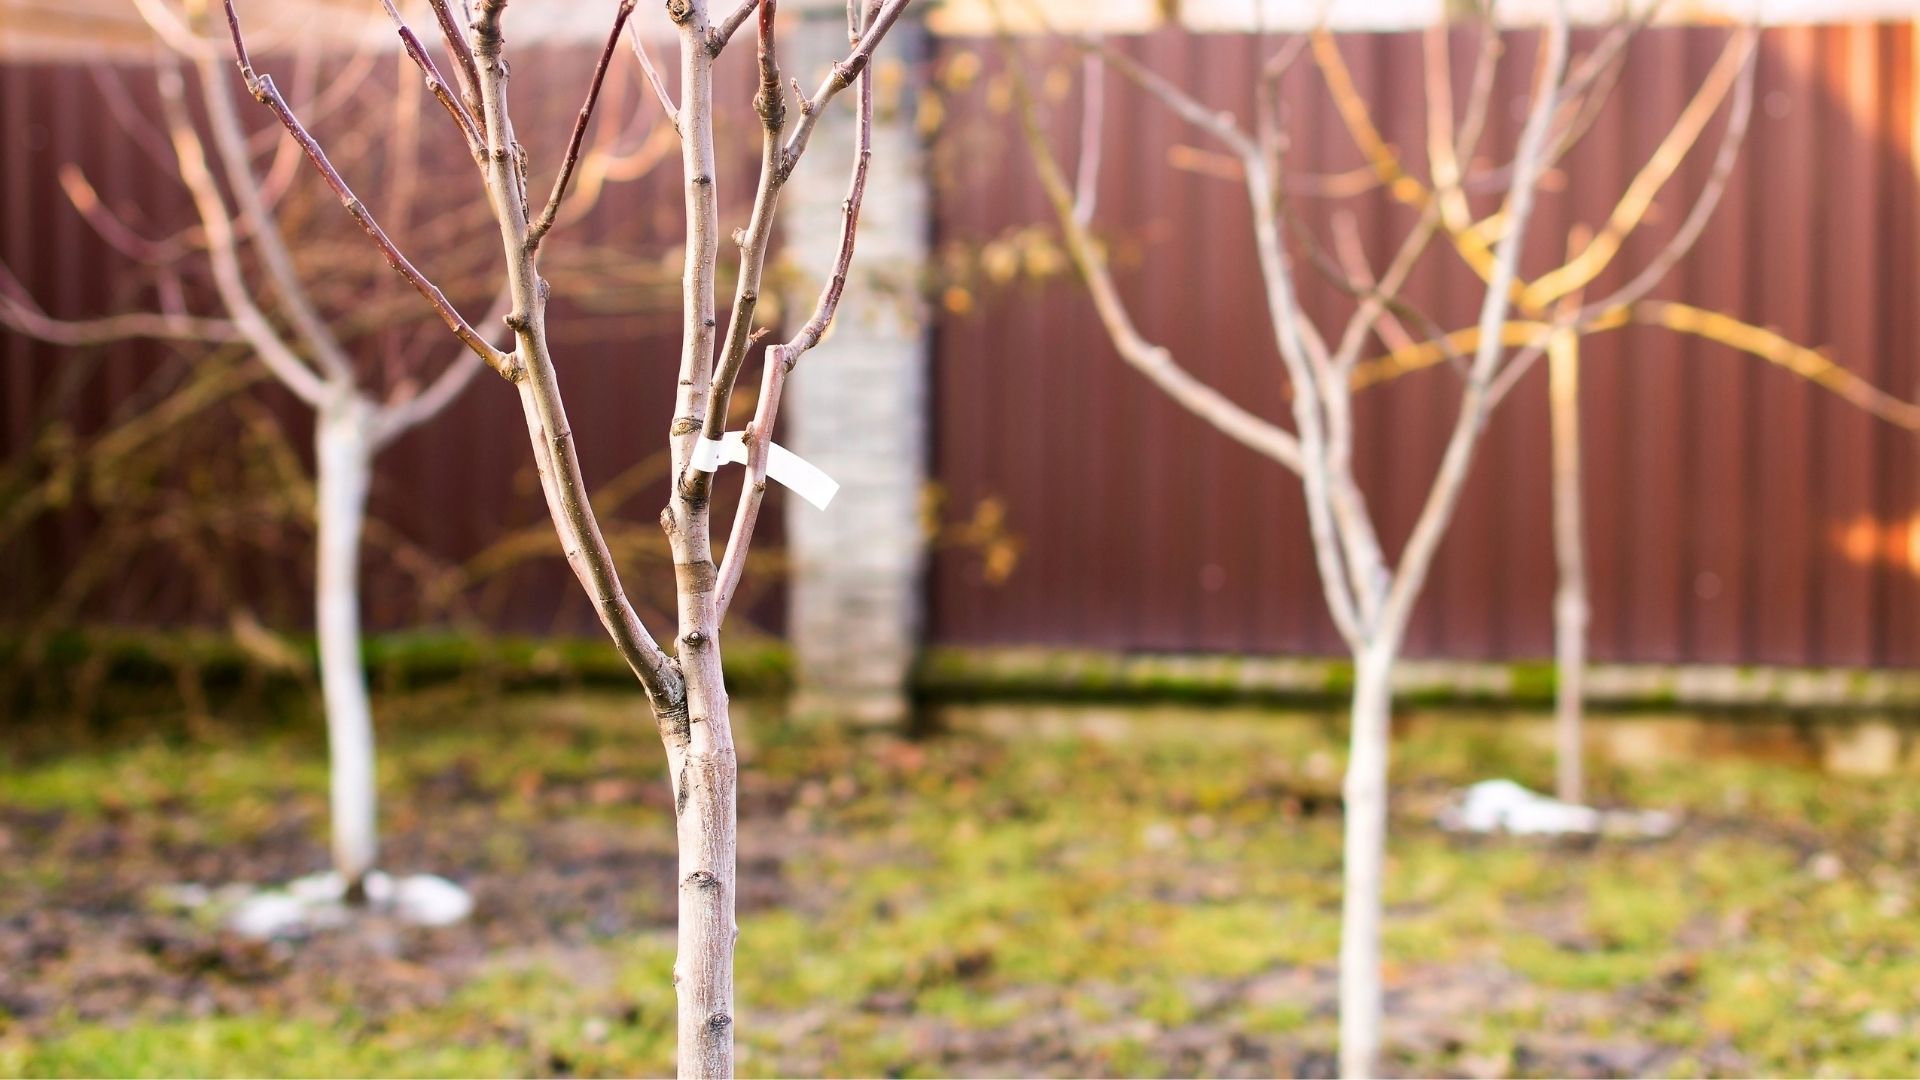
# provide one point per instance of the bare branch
(540, 226)
(1444, 496)
(753, 491)
(1221, 125)
(1632, 208)
(263, 90)
(1774, 348)
(26, 317)
(777, 164)
(1382, 297)
(172, 30)
(1346, 549)
(108, 225)
(556, 458)
(1086, 181)
(781, 358)
(230, 144)
(1716, 326)
(723, 31)
(653, 76)
(1154, 361)
(841, 77)
(128, 118)
(400, 416)
(452, 32)
(770, 103)
(222, 252)
(1739, 118)
(436, 84)
(1515, 333)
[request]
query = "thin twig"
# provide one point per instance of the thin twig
(1739, 118)
(402, 415)
(1444, 496)
(109, 226)
(1086, 181)
(27, 318)
(653, 75)
(452, 32)
(436, 84)
(723, 31)
(1632, 208)
(538, 229)
(550, 433)
(840, 78)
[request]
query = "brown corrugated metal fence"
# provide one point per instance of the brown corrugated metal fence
(1736, 514)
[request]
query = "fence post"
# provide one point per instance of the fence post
(858, 406)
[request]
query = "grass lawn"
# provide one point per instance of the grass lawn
(1137, 894)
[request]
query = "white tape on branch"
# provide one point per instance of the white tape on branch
(783, 466)
(708, 454)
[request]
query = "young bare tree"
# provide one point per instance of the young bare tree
(1370, 596)
(686, 688)
(273, 309)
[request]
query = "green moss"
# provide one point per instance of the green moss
(951, 674)
(397, 662)
(1337, 682)
(1532, 683)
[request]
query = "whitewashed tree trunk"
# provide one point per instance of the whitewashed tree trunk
(1570, 606)
(344, 459)
(1365, 794)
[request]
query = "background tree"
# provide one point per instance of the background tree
(1371, 597)
(328, 331)
(687, 689)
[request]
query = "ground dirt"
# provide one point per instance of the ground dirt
(1131, 895)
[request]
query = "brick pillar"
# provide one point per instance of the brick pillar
(857, 404)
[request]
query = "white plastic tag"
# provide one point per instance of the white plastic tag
(707, 455)
(783, 466)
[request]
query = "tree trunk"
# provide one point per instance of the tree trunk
(700, 752)
(1570, 609)
(344, 455)
(1366, 842)
(705, 780)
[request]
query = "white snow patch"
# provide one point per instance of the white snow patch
(268, 915)
(1496, 806)
(318, 902)
(431, 900)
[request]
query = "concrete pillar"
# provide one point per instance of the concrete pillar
(857, 404)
